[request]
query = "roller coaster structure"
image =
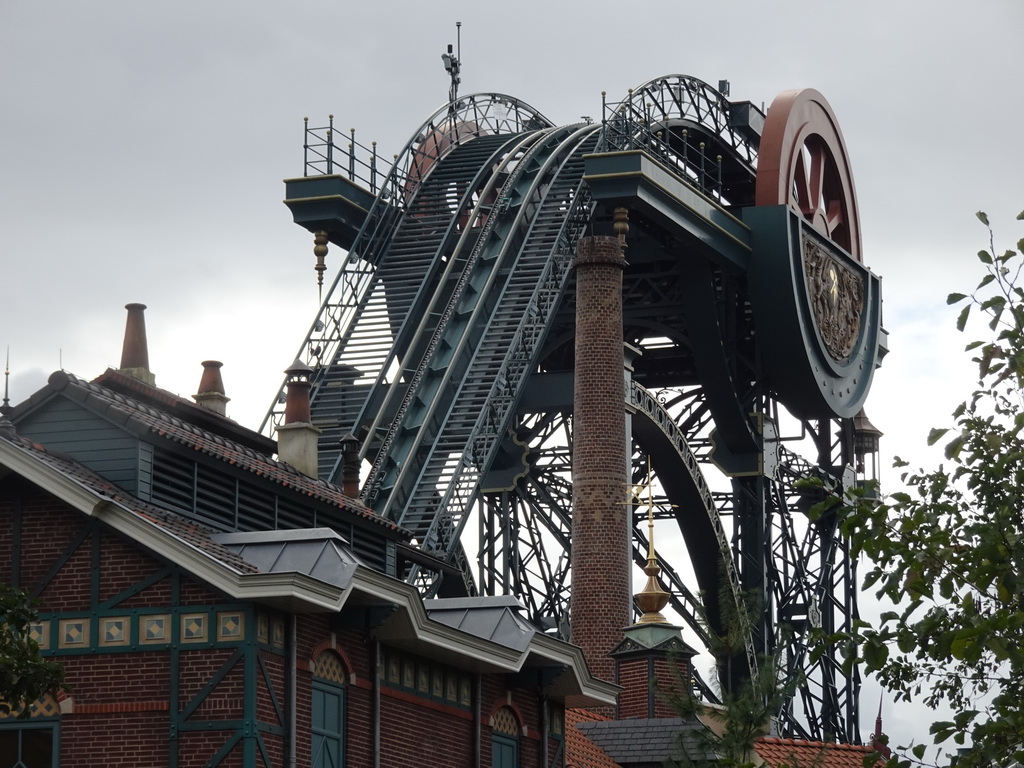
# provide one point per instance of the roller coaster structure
(445, 346)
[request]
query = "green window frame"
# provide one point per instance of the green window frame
(504, 751)
(505, 739)
(328, 712)
(29, 744)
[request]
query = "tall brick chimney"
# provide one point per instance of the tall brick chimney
(211, 388)
(601, 600)
(297, 437)
(135, 351)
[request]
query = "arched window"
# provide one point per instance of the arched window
(505, 739)
(328, 746)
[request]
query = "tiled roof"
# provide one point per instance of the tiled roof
(145, 419)
(197, 536)
(649, 742)
(184, 408)
(792, 753)
(581, 752)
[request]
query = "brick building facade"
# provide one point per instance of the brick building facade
(213, 606)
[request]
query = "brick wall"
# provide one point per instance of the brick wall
(645, 681)
(601, 599)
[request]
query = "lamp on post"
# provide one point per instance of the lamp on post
(866, 438)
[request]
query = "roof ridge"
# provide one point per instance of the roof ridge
(783, 741)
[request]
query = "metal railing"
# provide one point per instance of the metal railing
(324, 156)
(685, 124)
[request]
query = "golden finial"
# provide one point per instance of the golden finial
(652, 599)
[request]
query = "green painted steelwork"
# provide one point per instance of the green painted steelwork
(333, 204)
(637, 180)
(808, 380)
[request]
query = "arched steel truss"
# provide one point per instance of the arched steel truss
(443, 345)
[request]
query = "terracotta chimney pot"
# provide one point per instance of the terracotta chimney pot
(135, 351)
(211, 388)
(297, 438)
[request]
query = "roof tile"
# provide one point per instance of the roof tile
(778, 752)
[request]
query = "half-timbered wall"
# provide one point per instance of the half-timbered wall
(163, 670)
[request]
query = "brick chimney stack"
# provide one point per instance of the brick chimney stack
(297, 437)
(211, 388)
(135, 351)
(350, 465)
(601, 600)
(652, 663)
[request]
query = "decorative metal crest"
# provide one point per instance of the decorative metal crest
(837, 298)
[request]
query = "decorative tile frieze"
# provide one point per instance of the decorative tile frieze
(154, 629)
(114, 631)
(194, 628)
(230, 626)
(277, 633)
(40, 632)
(73, 633)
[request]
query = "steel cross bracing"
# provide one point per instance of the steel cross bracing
(446, 347)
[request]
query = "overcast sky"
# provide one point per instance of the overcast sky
(143, 147)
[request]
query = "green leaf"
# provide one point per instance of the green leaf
(984, 257)
(875, 654)
(982, 217)
(935, 435)
(954, 446)
(953, 298)
(961, 321)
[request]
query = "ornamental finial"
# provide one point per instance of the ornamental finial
(652, 599)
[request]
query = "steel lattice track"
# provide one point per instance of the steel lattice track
(455, 283)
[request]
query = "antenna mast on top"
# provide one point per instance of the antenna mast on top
(453, 65)
(6, 407)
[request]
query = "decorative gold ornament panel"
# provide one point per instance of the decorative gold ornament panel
(837, 298)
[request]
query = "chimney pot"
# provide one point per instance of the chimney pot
(135, 351)
(350, 465)
(211, 388)
(296, 408)
(297, 437)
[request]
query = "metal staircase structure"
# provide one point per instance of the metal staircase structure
(445, 345)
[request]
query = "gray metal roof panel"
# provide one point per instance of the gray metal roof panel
(494, 619)
(316, 552)
(291, 534)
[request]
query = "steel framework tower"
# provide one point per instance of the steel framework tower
(445, 346)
